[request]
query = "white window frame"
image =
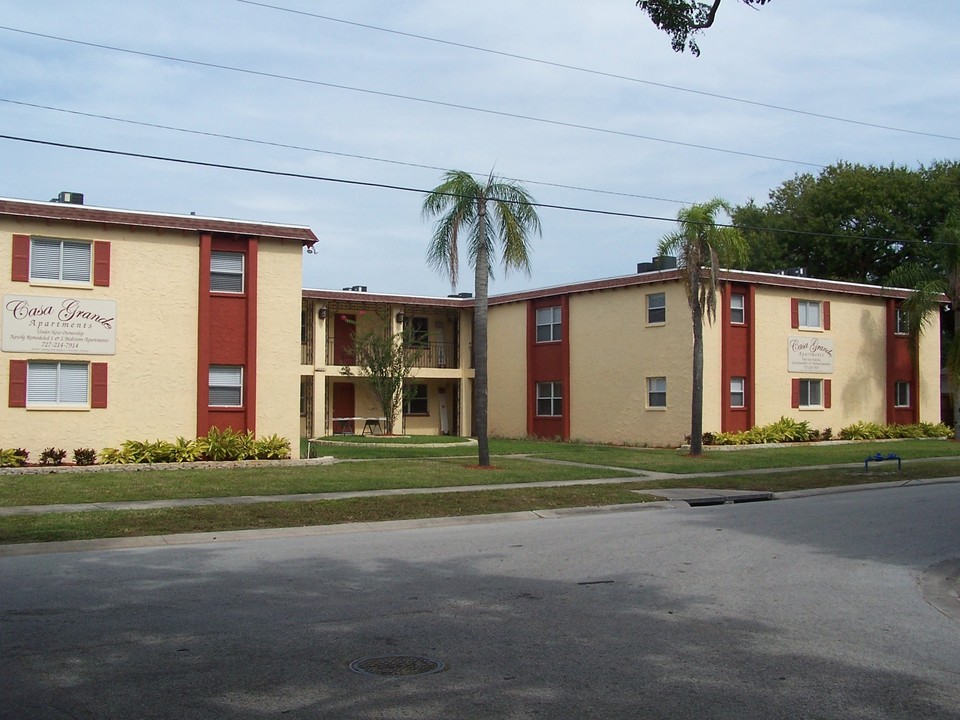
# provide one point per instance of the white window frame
(902, 322)
(73, 264)
(54, 384)
(550, 399)
(804, 308)
(738, 313)
(656, 313)
(807, 401)
(224, 273)
(738, 392)
(549, 324)
(224, 379)
(901, 394)
(656, 393)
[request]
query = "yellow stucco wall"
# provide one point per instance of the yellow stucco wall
(152, 378)
(507, 370)
(278, 340)
(613, 350)
(857, 329)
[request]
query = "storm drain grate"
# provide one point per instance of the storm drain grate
(397, 665)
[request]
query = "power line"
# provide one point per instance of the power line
(411, 98)
(601, 73)
(287, 146)
(423, 191)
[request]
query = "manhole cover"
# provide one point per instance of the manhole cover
(397, 665)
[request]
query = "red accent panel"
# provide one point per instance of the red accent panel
(548, 362)
(21, 259)
(737, 359)
(227, 330)
(98, 385)
(827, 393)
(101, 263)
(900, 367)
(826, 314)
(795, 392)
(250, 363)
(18, 384)
(794, 313)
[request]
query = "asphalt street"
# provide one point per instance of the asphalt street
(814, 607)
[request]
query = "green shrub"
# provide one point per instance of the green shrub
(113, 456)
(13, 458)
(272, 448)
(52, 456)
(84, 456)
(864, 431)
(222, 445)
(184, 450)
(216, 445)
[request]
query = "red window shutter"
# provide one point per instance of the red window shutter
(101, 263)
(827, 400)
(795, 393)
(18, 383)
(826, 314)
(794, 313)
(21, 259)
(98, 385)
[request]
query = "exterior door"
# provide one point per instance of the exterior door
(343, 407)
(344, 327)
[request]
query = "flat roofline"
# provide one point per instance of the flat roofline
(139, 218)
(623, 281)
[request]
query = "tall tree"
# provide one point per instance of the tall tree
(496, 215)
(851, 222)
(930, 283)
(384, 361)
(682, 20)
(702, 247)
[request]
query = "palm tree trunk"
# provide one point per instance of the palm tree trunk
(481, 285)
(952, 373)
(696, 401)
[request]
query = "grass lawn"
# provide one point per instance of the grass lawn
(107, 524)
(516, 462)
(52, 488)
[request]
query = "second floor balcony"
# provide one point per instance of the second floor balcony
(426, 354)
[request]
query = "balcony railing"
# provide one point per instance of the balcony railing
(428, 354)
(435, 354)
(306, 354)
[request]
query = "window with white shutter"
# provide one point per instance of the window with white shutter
(226, 386)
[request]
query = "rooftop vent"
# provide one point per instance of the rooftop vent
(71, 198)
(356, 288)
(659, 262)
(463, 295)
(794, 272)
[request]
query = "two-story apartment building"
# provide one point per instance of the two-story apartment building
(124, 325)
(611, 360)
(334, 400)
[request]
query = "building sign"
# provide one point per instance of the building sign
(60, 325)
(810, 355)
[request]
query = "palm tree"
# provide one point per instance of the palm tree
(495, 214)
(930, 283)
(701, 247)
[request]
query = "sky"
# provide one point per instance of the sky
(364, 104)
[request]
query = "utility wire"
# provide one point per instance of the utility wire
(411, 98)
(600, 73)
(286, 146)
(423, 191)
